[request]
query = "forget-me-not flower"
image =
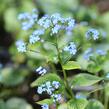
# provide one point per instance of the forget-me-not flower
(92, 33)
(21, 46)
(41, 70)
(45, 106)
(71, 48)
(45, 21)
(101, 52)
(28, 20)
(56, 84)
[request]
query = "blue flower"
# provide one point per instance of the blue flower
(71, 48)
(27, 25)
(33, 39)
(28, 20)
(88, 53)
(101, 52)
(24, 16)
(49, 89)
(39, 32)
(45, 106)
(56, 17)
(45, 21)
(21, 46)
(35, 36)
(56, 97)
(56, 84)
(71, 23)
(56, 29)
(40, 90)
(92, 33)
(41, 70)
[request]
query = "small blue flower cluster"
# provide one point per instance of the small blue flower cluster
(90, 52)
(28, 20)
(92, 33)
(56, 22)
(35, 36)
(41, 70)
(21, 46)
(71, 48)
(50, 87)
(101, 52)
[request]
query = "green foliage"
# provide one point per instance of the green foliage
(94, 104)
(74, 104)
(48, 77)
(70, 65)
(58, 6)
(63, 106)
(84, 80)
(10, 77)
(15, 103)
(106, 89)
(77, 104)
(2, 104)
(45, 101)
(13, 76)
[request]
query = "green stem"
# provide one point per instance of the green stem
(106, 102)
(64, 72)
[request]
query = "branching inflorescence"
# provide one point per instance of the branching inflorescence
(54, 24)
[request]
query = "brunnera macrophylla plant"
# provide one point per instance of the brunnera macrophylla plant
(49, 28)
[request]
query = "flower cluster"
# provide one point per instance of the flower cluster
(90, 52)
(56, 22)
(101, 52)
(21, 46)
(35, 36)
(92, 33)
(28, 20)
(49, 88)
(41, 70)
(71, 48)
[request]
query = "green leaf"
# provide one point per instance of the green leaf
(70, 65)
(63, 106)
(48, 77)
(84, 80)
(17, 103)
(2, 104)
(106, 89)
(94, 104)
(45, 101)
(10, 76)
(77, 104)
